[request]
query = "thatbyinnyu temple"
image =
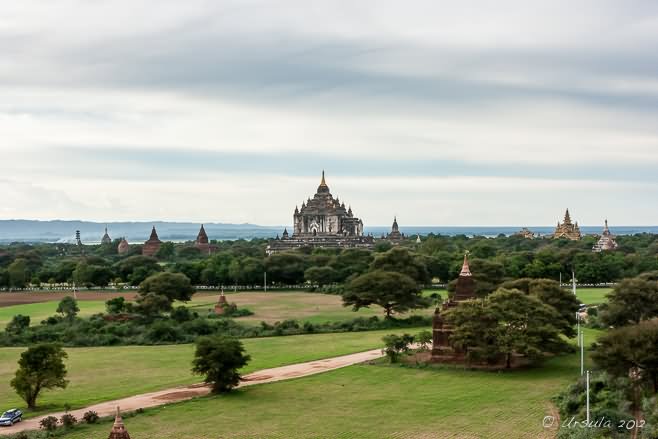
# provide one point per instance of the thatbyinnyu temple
(323, 221)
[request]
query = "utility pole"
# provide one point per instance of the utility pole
(587, 390)
(582, 352)
(265, 281)
(578, 326)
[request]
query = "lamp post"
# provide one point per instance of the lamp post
(265, 281)
(587, 391)
(581, 336)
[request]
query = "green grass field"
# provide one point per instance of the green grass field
(43, 310)
(369, 401)
(101, 374)
(592, 296)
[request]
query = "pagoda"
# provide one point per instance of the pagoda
(606, 242)
(567, 229)
(118, 428)
(322, 221)
(202, 243)
(395, 234)
(123, 246)
(441, 330)
(106, 238)
(153, 244)
(222, 303)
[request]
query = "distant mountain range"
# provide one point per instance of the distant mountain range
(137, 232)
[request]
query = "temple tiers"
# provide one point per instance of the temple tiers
(222, 303)
(525, 233)
(118, 428)
(153, 244)
(106, 238)
(322, 221)
(567, 229)
(202, 243)
(441, 331)
(606, 242)
(123, 246)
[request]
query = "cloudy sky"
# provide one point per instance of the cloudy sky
(442, 113)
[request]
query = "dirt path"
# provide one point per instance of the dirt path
(177, 394)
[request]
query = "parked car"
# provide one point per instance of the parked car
(10, 417)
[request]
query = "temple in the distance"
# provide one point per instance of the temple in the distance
(606, 242)
(567, 229)
(322, 221)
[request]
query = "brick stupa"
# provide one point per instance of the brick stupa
(152, 246)
(221, 305)
(441, 331)
(118, 429)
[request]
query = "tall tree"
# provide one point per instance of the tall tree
(631, 301)
(68, 307)
(220, 358)
(41, 367)
(629, 350)
(395, 292)
(173, 286)
(18, 273)
(400, 260)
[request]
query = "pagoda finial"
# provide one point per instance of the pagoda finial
(323, 182)
(118, 428)
(466, 270)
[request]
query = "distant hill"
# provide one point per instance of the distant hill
(134, 232)
(138, 232)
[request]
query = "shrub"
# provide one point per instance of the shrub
(68, 420)
(90, 417)
(49, 423)
(396, 345)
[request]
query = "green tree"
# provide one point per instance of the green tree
(320, 275)
(286, 268)
(68, 307)
(392, 291)
(396, 345)
(173, 286)
(400, 260)
(116, 305)
(166, 251)
(41, 367)
(18, 324)
(424, 340)
(551, 293)
(630, 349)
(220, 358)
(18, 273)
(631, 301)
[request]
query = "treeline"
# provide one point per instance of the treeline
(245, 262)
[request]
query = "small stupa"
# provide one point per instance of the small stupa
(222, 303)
(106, 238)
(123, 246)
(118, 429)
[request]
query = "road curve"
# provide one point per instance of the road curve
(183, 393)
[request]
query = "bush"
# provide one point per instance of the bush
(396, 345)
(68, 420)
(90, 417)
(49, 423)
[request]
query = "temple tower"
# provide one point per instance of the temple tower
(606, 242)
(567, 229)
(118, 428)
(123, 246)
(106, 238)
(153, 244)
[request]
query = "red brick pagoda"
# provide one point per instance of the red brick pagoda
(118, 429)
(152, 246)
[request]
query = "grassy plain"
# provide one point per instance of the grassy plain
(43, 310)
(369, 401)
(105, 373)
(592, 296)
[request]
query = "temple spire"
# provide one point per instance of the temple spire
(118, 429)
(466, 270)
(323, 185)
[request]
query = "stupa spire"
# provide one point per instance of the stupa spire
(466, 270)
(118, 429)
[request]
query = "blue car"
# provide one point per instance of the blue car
(10, 417)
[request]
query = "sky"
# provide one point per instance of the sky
(442, 113)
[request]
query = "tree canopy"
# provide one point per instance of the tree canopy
(41, 367)
(220, 358)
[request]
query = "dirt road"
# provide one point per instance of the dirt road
(183, 393)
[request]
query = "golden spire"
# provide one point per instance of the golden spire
(323, 183)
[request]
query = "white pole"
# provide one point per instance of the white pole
(578, 326)
(573, 282)
(587, 380)
(265, 281)
(582, 352)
